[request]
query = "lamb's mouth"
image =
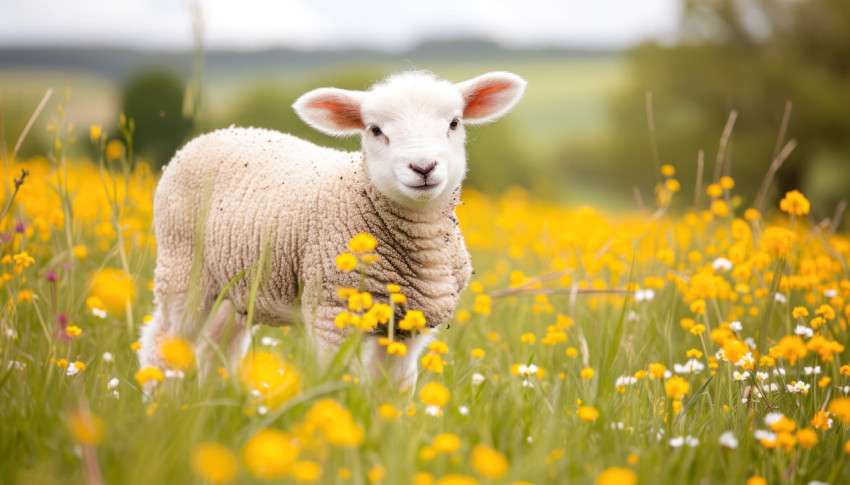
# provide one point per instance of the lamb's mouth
(423, 187)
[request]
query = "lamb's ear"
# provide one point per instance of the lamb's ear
(490, 96)
(331, 110)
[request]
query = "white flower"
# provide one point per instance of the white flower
(830, 293)
(270, 342)
(772, 388)
(625, 380)
(741, 377)
(772, 418)
(116, 395)
(779, 371)
(263, 410)
(667, 374)
(477, 379)
(845, 389)
(644, 295)
(527, 370)
(804, 331)
(18, 365)
(728, 440)
(736, 326)
(811, 370)
(780, 297)
(463, 410)
(434, 411)
(108, 357)
(762, 376)
(632, 316)
(692, 365)
(72, 369)
(113, 383)
(618, 426)
(798, 387)
(10, 333)
(721, 264)
(530, 439)
(100, 313)
(684, 440)
(177, 374)
(751, 343)
(817, 482)
(763, 434)
(745, 360)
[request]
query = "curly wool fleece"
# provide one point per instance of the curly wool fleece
(307, 202)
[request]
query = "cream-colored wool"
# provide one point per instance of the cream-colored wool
(243, 188)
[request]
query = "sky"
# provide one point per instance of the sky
(315, 24)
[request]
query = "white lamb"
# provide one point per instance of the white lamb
(229, 193)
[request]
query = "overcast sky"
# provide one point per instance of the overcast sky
(307, 24)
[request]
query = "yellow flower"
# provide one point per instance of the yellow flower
(346, 262)
(728, 183)
(336, 423)
(446, 443)
(800, 312)
(617, 476)
(790, 348)
(489, 462)
(276, 380)
(376, 474)
(397, 348)
(398, 298)
(269, 454)
(698, 307)
(434, 394)
(714, 190)
(698, 329)
(687, 323)
(673, 185)
(439, 347)
(412, 319)
(94, 133)
(80, 252)
(306, 471)
(433, 362)
(587, 413)
(806, 438)
(452, 479)
(477, 353)
(62, 363)
(827, 311)
(676, 387)
(756, 480)
(527, 338)
(86, 428)
(752, 215)
(776, 241)
(668, 170)
(362, 242)
(23, 259)
(114, 288)
(423, 478)
(389, 412)
(572, 351)
(73, 331)
(114, 150)
(149, 374)
(213, 462)
(177, 353)
(657, 370)
(794, 203)
(719, 208)
(587, 373)
(734, 349)
(840, 408)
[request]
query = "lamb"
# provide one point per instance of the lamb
(229, 194)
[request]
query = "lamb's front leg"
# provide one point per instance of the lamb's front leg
(402, 371)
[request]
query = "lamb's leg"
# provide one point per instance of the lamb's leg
(165, 322)
(228, 330)
(402, 372)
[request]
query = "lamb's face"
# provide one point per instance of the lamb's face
(412, 127)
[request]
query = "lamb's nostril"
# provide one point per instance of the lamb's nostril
(423, 170)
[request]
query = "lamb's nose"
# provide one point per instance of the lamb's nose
(423, 170)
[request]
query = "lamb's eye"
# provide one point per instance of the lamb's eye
(376, 131)
(453, 124)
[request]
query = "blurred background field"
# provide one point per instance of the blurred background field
(580, 135)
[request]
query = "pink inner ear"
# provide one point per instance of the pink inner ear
(344, 115)
(481, 103)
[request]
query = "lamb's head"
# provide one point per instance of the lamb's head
(412, 127)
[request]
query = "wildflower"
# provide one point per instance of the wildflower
(587, 373)
(617, 476)
(433, 362)
(714, 190)
(687, 323)
(691, 365)
(269, 454)
(114, 150)
(75, 368)
(680, 441)
(587, 413)
(795, 203)
(803, 331)
(446, 443)
(623, 381)
(698, 307)
(798, 387)
(676, 387)
(336, 423)
(800, 312)
(434, 394)
(397, 348)
(668, 170)
(177, 353)
(362, 242)
(86, 428)
(488, 462)
(698, 329)
(346, 262)
(477, 379)
(806, 438)
(452, 479)
(412, 319)
(62, 363)
(790, 348)
(213, 462)
(114, 288)
(135, 346)
(827, 311)
(657, 370)
(477, 353)
(439, 347)
(73, 331)
(482, 304)
(572, 351)
(358, 302)
(275, 380)
(149, 374)
(776, 241)
(840, 408)
(728, 440)
(389, 412)
(306, 471)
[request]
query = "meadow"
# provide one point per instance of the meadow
(681, 342)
